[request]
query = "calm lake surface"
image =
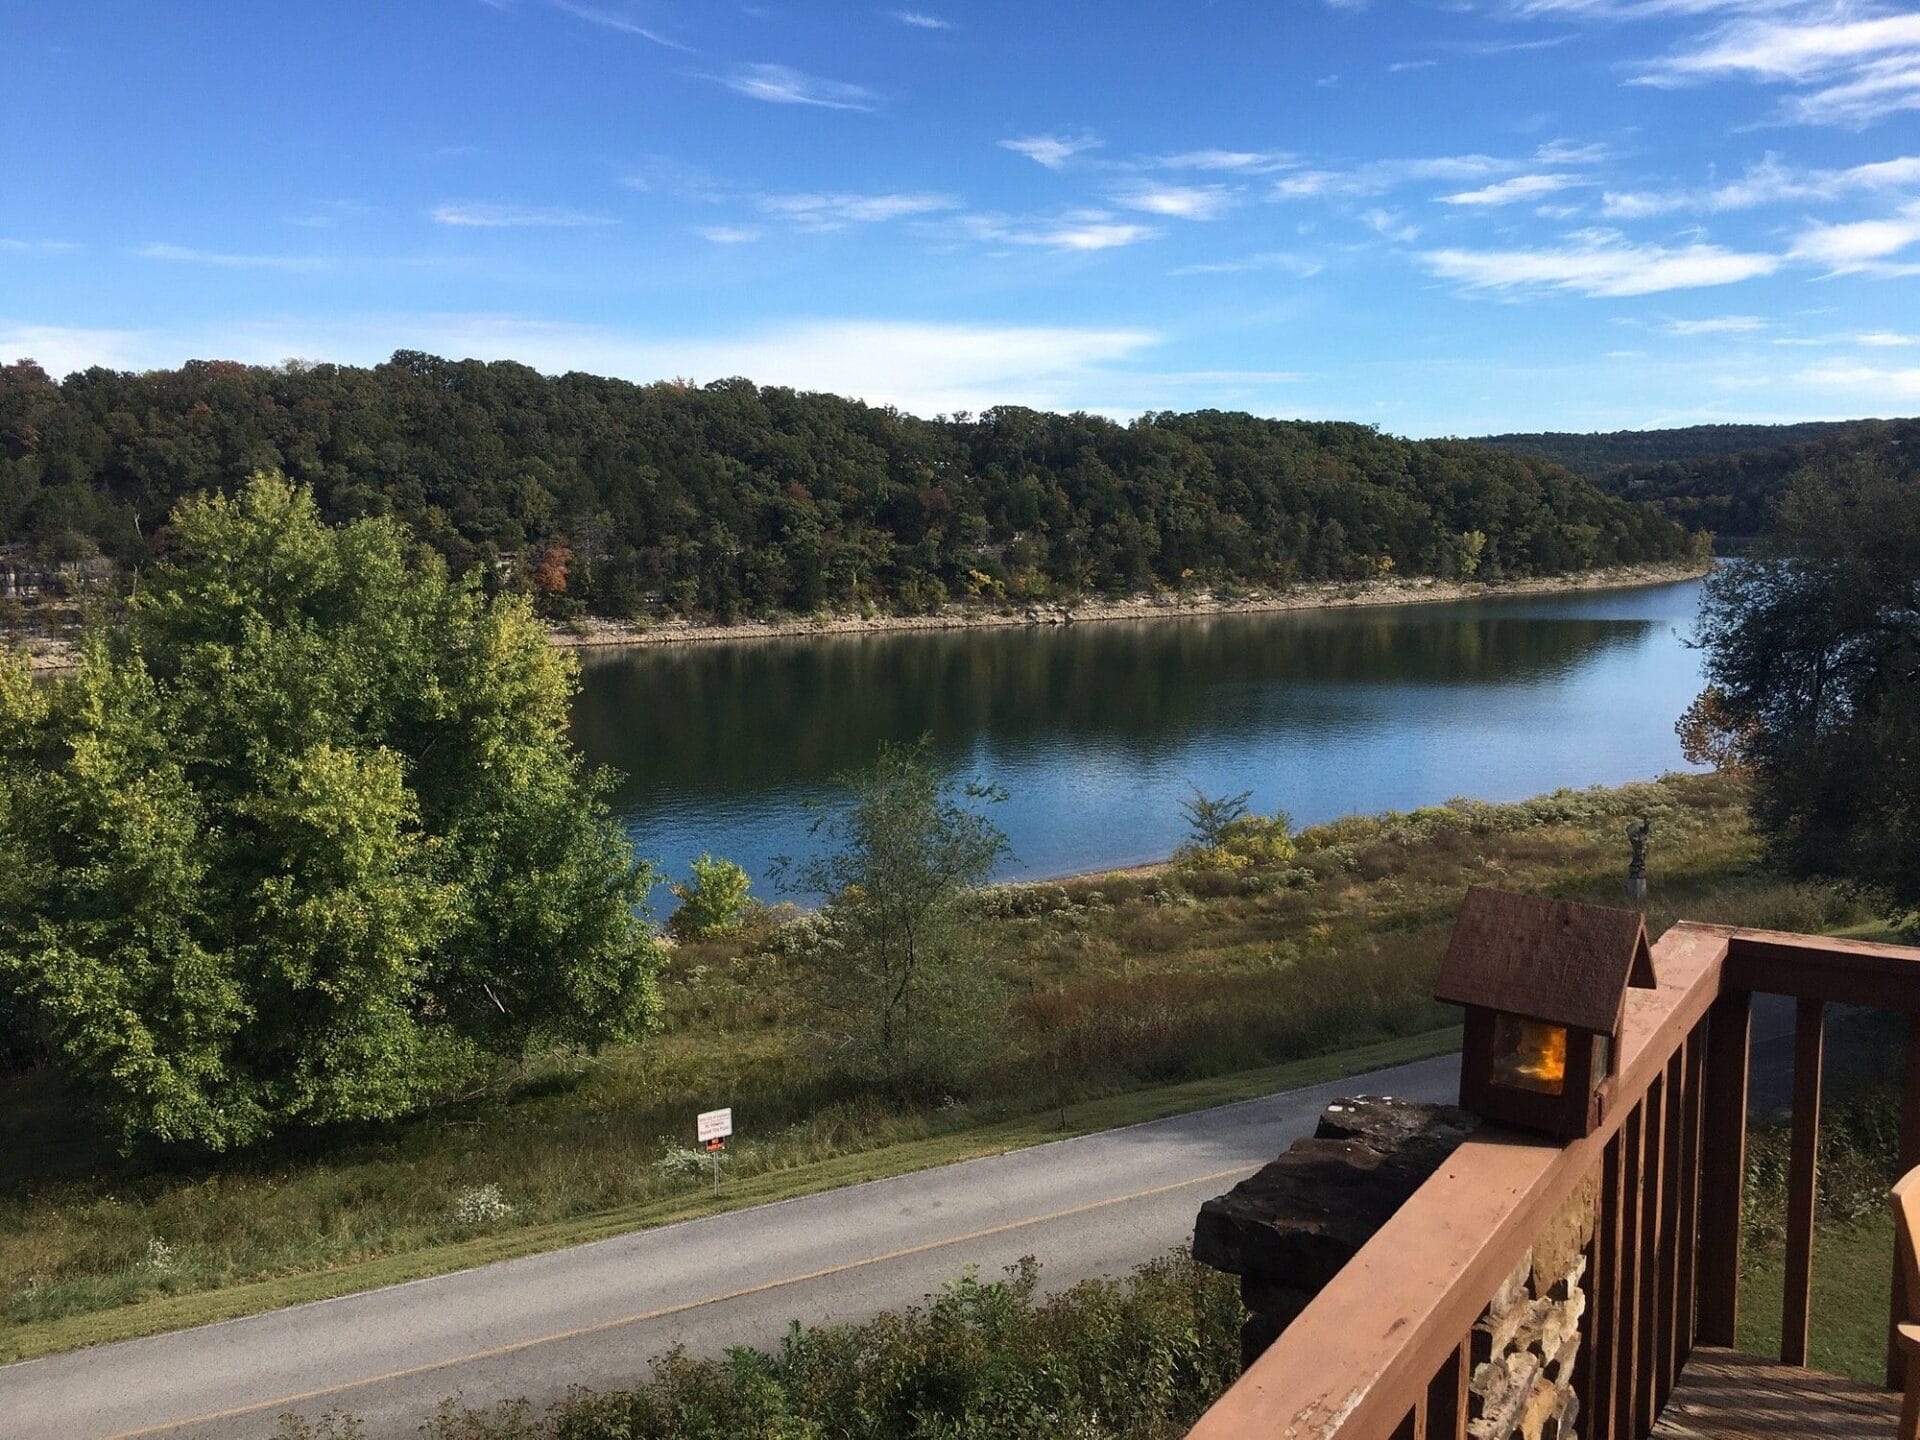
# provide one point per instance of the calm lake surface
(1096, 730)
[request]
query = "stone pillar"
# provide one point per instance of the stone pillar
(1526, 1344)
(1288, 1229)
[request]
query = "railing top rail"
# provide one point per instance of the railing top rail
(1815, 967)
(1361, 1354)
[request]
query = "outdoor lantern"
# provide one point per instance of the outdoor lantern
(1544, 983)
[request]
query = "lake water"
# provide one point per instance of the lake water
(1097, 730)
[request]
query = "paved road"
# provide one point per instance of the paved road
(595, 1314)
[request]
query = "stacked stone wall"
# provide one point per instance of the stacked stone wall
(1526, 1345)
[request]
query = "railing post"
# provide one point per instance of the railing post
(1447, 1395)
(1803, 1175)
(1601, 1418)
(1647, 1273)
(1905, 1304)
(1724, 1167)
(1690, 1198)
(1673, 1182)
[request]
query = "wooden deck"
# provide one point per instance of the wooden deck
(1724, 1395)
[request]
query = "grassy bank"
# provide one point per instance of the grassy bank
(1121, 997)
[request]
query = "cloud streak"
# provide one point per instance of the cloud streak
(486, 215)
(1177, 202)
(1850, 70)
(925, 368)
(227, 260)
(1081, 231)
(836, 211)
(1052, 151)
(1599, 266)
(1769, 182)
(784, 85)
(1508, 192)
(614, 20)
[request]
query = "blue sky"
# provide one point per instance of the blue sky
(1440, 218)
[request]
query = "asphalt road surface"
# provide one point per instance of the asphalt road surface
(595, 1315)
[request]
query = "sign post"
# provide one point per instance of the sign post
(713, 1127)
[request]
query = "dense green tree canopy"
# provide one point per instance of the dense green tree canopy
(624, 498)
(305, 841)
(1722, 478)
(1813, 653)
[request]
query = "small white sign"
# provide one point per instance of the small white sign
(715, 1124)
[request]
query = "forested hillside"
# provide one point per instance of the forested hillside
(1722, 478)
(728, 498)
(1601, 453)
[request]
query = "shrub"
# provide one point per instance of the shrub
(1243, 842)
(714, 902)
(1132, 1359)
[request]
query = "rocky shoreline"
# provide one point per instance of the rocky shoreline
(594, 632)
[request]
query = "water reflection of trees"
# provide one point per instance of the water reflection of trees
(739, 719)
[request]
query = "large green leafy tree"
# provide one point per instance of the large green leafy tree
(306, 841)
(1813, 656)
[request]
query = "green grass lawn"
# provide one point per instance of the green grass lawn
(1120, 997)
(1852, 1289)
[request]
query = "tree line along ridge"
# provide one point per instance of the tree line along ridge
(727, 499)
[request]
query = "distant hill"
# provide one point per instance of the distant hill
(1602, 452)
(733, 498)
(1721, 478)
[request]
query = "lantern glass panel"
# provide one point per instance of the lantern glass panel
(1529, 1055)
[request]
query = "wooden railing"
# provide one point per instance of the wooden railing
(1385, 1350)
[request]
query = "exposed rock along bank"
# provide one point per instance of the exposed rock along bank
(597, 632)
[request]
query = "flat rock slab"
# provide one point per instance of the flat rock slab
(1293, 1224)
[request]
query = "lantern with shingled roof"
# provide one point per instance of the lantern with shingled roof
(1544, 984)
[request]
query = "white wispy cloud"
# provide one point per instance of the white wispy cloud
(1177, 202)
(1401, 67)
(1391, 225)
(837, 210)
(920, 20)
(1884, 339)
(1770, 181)
(1867, 380)
(1507, 192)
(1288, 261)
(1076, 230)
(1239, 162)
(1052, 151)
(16, 246)
(784, 85)
(1848, 66)
(1717, 325)
(62, 349)
(1379, 176)
(925, 368)
(1573, 152)
(486, 215)
(730, 234)
(1600, 264)
(617, 20)
(227, 260)
(1860, 245)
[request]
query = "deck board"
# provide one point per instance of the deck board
(1724, 1395)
